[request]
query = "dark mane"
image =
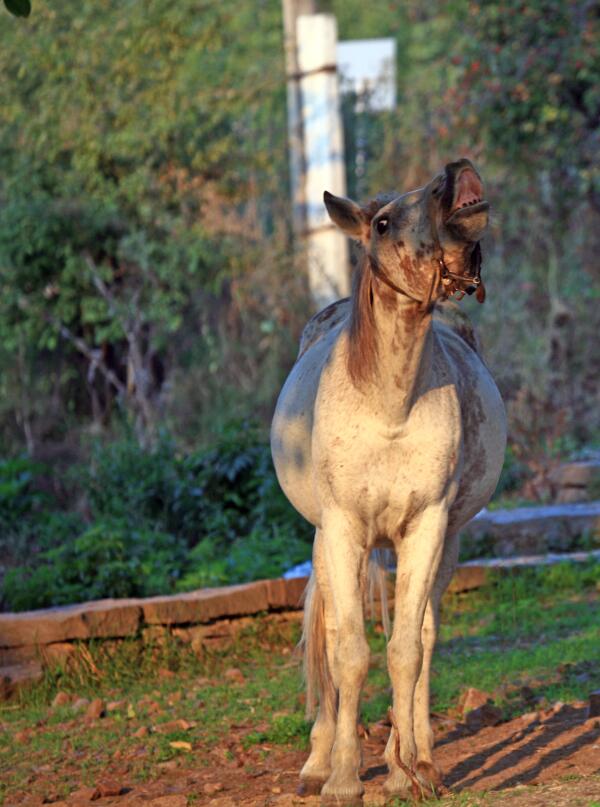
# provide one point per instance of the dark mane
(362, 347)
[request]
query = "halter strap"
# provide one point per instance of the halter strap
(451, 281)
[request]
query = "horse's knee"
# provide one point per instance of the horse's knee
(352, 656)
(405, 656)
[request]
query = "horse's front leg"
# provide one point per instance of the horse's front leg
(345, 557)
(419, 554)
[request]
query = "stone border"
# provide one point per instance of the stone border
(117, 619)
(32, 640)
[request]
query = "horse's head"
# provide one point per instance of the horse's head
(425, 243)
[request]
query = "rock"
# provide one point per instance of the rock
(169, 765)
(57, 654)
(594, 700)
(234, 674)
(153, 708)
(96, 709)
(467, 578)
(84, 794)
(472, 699)
(108, 788)
(173, 800)
(61, 699)
(15, 676)
(80, 704)
(173, 725)
(210, 788)
(164, 673)
(485, 715)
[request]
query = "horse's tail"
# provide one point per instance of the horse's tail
(320, 688)
(377, 577)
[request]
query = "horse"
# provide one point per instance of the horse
(389, 432)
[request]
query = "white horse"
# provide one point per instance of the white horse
(389, 431)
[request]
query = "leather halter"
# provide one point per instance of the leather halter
(451, 281)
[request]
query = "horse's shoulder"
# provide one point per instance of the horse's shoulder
(450, 321)
(323, 322)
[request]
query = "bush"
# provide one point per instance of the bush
(163, 521)
(109, 559)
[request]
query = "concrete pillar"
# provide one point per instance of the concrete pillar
(327, 247)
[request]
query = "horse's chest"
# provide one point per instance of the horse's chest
(372, 470)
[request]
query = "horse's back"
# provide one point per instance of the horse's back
(323, 323)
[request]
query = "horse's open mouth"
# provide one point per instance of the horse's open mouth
(468, 196)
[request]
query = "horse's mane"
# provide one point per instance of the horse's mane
(362, 348)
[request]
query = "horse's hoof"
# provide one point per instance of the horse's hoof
(309, 787)
(394, 799)
(340, 801)
(429, 775)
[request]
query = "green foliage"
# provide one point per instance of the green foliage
(109, 559)
(513, 474)
(160, 521)
(121, 166)
(19, 498)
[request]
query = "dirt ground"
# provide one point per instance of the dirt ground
(557, 752)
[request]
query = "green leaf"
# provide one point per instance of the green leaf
(20, 8)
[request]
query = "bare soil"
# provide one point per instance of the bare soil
(543, 758)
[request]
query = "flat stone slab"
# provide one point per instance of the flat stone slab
(575, 474)
(119, 618)
(14, 676)
(215, 603)
(99, 619)
(531, 530)
(549, 559)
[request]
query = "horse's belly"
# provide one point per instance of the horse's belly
(484, 440)
(291, 431)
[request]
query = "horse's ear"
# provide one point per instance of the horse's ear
(348, 216)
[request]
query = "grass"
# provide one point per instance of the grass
(534, 628)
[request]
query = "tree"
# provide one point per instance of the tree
(120, 166)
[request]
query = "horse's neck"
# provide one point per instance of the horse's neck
(404, 355)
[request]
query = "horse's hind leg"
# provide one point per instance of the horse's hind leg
(319, 643)
(426, 768)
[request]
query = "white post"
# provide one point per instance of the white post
(291, 11)
(327, 247)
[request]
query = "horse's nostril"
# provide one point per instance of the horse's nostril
(471, 289)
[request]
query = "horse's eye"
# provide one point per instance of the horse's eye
(382, 226)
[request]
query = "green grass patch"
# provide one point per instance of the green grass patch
(537, 628)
